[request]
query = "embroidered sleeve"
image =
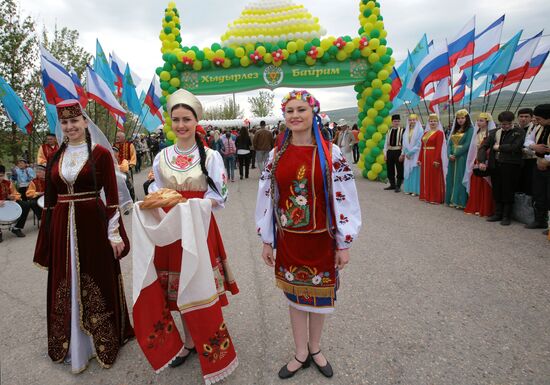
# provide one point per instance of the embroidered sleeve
(216, 171)
(264, 207)
(347, 212)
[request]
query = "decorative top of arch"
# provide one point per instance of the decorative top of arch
(271, 21)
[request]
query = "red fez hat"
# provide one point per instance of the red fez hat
(68, 109)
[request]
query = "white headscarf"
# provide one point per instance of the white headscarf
(97, 136)
(412, 146)
(474, 145)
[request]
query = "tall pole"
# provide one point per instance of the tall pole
(517, 88)
(525, 93)
(472, 77)
(498, 95)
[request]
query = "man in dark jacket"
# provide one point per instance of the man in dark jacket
(505, 160)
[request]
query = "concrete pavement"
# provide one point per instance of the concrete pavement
(431, 296)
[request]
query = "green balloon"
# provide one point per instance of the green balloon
(371, 75)
(235, 62)
(358, 88)
(174, 74)
(356, 54)
(316, 42)
(369, 158)
(185, 48)
(167, 30)
(206, 64)
(307, 47)
(347, 38)
(388, 106)
(371, 130)
(195, 48)
(229, 53)
(377, 93)
(325, 58)
(180, 67)
(365, 172)
(166, 57)
(163, 100)
(333, 50)
(164, 86)
(171, 90)
(292, 58)
(200, 55)
(389, 51)
(301, 55)
(381, 143)
(383, 41)
(370, 101)
(215, 47)
(358, 96)
(167, 67)
(270, 48)
(367, 12)
(178, 39)
(159, 70)
(173, 59)
(375, 151)
(178, 26)
(362, 116)
(384, 112)
(361, 31)
(362, 146)
(168, 19)
(378, 120)
(282, 44)
(383, 175)
(377, 66)
(168, 142)
(374, 34)
(385, 59)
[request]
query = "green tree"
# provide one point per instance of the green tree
(262, 105)
(17, 57)
(226, 111)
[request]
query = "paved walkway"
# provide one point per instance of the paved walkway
(432, 296)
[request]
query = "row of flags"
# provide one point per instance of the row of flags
(428, 70)
(108, 83)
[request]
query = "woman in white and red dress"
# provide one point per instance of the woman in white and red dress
(195, 171)
(307, 210)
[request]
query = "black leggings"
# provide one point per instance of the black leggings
(244, 160)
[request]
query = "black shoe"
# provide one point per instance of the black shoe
(398, 189)
(536, 225)
(505, 221)
(18, 233)
(1, 237)
(284, 373)
(494, 218)
(179, 360)
(389, 188)
(325, 370)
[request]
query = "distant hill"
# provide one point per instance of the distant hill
(531, 100)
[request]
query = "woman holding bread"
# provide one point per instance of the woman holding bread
(193, 171)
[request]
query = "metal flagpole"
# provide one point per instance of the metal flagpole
(517, 88)
(524, 94)
(498, 95)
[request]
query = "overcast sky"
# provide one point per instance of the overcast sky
(131, 28)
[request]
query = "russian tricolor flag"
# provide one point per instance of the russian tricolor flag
(432, 68)
(118, 68)
(539, 57)
(486, 43)
(82, 96)
(57, 82)
(463, 44)
(460, 89)
(396, 84)
(152, 98)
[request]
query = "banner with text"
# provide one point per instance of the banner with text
(223, 81)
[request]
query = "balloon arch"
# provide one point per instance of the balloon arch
(276, 43)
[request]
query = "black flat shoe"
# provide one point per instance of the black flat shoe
(284, 373)
(179, 360)
(325, 370)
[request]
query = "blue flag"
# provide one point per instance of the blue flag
(148, 120)
(102, 67)
(129, 95)
(14, 106)
(51, 113)
(499, 62)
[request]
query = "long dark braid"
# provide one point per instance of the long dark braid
(49, 181)
(92, 167)
(202, 154)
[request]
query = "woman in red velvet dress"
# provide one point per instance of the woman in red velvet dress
(80, 242)
(480, 200)
(432, 162)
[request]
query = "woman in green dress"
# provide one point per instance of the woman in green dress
(458, 146)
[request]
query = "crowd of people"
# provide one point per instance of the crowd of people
(478, 166)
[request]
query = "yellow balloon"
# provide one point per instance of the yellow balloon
(349, 47)
(292, 46)
(386, 88)
(361, 164)
(361, 136)
(366, 52)
(383, 75)
(175, 82)
(383, 128)
(170, 135)
(372, 113)
(166, 128)
(342, 55)
(374, 58)
(220, 53)
(197, 65)
(239, 52)
(377, 137)
(325, 44)
(268, 58)
(370, 143)
(379, 105)
(377, 83)
(374, 43)
(310, 61)
(300, 44)
(210, 55)
(380, 159)
(381, 50)
(372, 175)
(377, 168)
(261, 50)
(385, 98)
(164, 75)
(245, 61)
(249, 47)
(367, 92)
